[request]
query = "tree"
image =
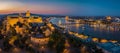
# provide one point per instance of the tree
(1, 36)
(60, 46)
(50, 44)
(6, 45)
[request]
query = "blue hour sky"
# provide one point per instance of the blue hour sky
(63, 7)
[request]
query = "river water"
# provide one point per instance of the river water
(99, 30)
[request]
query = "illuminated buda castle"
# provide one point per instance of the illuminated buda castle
(28, 18)
(15, 20)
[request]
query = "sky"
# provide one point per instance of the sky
(62, 7)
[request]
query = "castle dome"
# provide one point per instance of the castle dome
(28, 13)
(108, 18)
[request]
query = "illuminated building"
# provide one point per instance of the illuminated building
(19, 29)
(39, 39)
(108, 18)
(67, 18)
(51, 27)
(12, 20)
(95, 39)
(47, 32)
(104, 41)
(81, 36)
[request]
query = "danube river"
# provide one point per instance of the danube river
(98, 30)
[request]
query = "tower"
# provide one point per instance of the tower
(28, 14)
(67, 18)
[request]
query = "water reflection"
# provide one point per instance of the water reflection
(95, 30)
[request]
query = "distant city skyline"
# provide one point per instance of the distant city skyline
(62, 7)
